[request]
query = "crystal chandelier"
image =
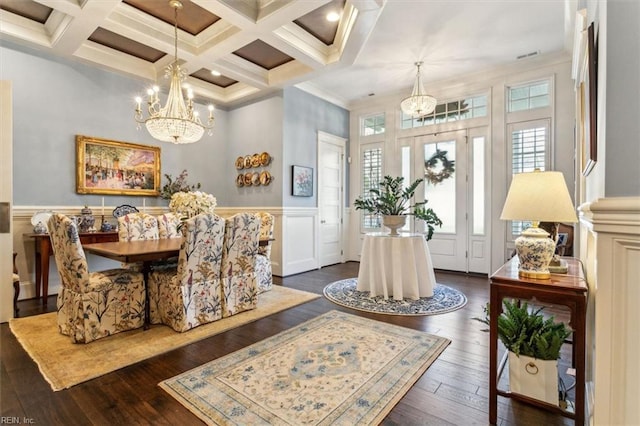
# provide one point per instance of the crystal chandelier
(418, 104)
(177, 121)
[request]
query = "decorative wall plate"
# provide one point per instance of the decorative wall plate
(247, 162)
(255, 179)
(247, 179)
(124, 210)
(255, 160)
(265, 158)
(265, 178)
(240, 180)
(239, 163)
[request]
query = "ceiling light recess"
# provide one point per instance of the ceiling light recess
(177, 121)
(418, 104)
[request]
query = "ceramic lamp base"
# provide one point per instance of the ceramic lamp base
(535, 250)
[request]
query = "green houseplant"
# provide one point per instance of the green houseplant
(391, 199)
(534, 345)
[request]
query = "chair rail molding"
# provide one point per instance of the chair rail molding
(610, 249)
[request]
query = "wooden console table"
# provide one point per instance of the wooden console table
(561, 289)
(43, 251)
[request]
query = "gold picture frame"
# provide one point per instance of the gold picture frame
(110, 167)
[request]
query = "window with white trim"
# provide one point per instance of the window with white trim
(529, 143)
(371, 176)
(372, 125)
(529, 96)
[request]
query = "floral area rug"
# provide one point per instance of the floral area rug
(336, 369)
(64, 364)
(445, 299)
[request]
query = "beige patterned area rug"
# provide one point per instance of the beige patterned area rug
(337, 369)
(64, 364)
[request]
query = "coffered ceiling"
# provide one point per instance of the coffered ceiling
(254, 47)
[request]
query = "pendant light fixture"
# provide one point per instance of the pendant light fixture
(177, 121)
(418, 104)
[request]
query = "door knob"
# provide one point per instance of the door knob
(323, 221)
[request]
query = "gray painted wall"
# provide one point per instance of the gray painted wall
(55, 99)
(254, 129)
(622, 157)
(304, 116)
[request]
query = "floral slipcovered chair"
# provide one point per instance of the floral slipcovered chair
(263, 260)
(134, 227)
(168, 224)
(92, 305)
(189, 296)
(137, 226)
(239, 282)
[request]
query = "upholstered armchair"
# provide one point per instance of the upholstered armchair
(168, 224)
(263, 259)
(239, 286)
(189, 296)
(92, 305)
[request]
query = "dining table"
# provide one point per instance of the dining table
(144, 251)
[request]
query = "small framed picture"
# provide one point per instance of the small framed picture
(301, 181)
(563, 237)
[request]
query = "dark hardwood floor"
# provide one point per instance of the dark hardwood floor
(454, 390)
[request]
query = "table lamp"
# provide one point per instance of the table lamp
(537, 197)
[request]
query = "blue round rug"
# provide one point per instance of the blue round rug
(445, 299)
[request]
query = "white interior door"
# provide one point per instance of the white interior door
(331, 151)
(460, 201)
(6, 199)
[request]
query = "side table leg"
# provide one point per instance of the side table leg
(495, 309)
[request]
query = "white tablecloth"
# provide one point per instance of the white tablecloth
(398, 266)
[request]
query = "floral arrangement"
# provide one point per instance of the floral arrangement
(178, 185)
(193, 203)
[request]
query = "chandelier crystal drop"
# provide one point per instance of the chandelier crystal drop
(177, 121)
(418, 104)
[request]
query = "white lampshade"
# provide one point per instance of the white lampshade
(539, 197)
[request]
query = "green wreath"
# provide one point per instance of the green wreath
(448, 167)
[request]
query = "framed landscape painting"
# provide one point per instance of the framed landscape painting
(116, 168)
(302, 181)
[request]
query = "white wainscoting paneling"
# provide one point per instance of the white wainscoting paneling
(300, 240)
(611, 253)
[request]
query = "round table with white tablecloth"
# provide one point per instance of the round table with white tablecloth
(398, 266)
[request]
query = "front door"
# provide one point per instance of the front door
(458, 200)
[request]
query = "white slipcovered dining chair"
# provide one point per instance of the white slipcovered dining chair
(263, 259)
(239, 283)
(189, 295)
(134, 227)
(168, 224)
(92, 305)
(137, 226)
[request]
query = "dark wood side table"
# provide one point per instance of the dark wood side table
(561, 289)
(43, 251)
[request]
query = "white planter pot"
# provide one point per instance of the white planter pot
(534, 378)
(394, 222)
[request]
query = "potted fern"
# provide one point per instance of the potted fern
(534, 345)
(392, 201)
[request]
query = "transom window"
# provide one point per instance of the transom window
(449, 111)
(529, 96)
(372, 125)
